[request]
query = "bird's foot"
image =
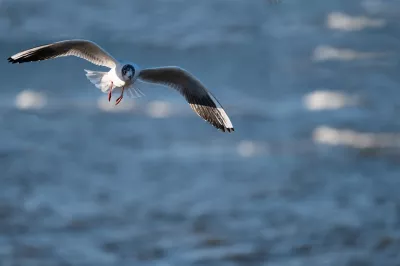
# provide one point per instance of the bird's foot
(119, 99)
(110, 91)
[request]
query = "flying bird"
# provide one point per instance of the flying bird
(123, 75)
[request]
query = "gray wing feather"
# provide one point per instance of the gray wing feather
(198, 97)
(84, 49)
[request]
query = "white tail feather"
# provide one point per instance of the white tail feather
(100, 79)
(135, 92)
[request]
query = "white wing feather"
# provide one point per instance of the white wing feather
(84, 49)
(199, 98)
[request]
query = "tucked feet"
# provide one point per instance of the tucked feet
(119, 99)
(110, 91)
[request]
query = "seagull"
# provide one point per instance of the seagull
(123, 75)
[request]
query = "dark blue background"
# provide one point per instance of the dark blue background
(309, 177)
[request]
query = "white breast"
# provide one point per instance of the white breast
(115, 78)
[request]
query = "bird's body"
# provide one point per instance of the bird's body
(123, 75)
(113, 80)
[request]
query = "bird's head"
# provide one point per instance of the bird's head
(128, 72)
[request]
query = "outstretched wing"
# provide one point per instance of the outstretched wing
(198, 97)
(84, 49)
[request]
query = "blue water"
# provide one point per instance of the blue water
(81, 185)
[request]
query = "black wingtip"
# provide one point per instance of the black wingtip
(12, 61)
(229, 130)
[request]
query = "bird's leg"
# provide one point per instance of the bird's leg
(109, 92)
(120, 97)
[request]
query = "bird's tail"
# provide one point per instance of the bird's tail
(99, 79)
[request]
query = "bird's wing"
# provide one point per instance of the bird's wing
(81, 48)
(198, 97)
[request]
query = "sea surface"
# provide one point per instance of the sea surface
(311, 175)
